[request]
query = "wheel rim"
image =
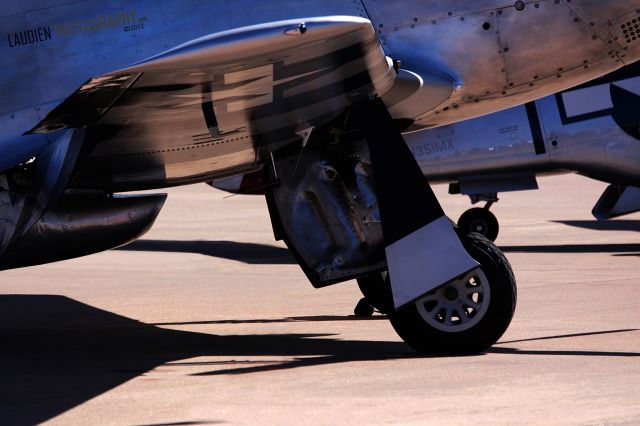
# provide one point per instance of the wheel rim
(457, 306)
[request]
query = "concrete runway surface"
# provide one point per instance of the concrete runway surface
(208, 321)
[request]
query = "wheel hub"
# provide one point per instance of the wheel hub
(457, 306)
(480, 226)
(451, 294)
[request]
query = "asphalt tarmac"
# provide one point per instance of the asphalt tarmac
(207, 320)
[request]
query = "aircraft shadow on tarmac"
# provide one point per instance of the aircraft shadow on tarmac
(609, 225)
(604, 225)
(58, 353)
(314, 318)
(616, 249)
(250, 253)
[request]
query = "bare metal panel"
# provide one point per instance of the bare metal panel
(498, 142)
(613, 28)
(575, 41)
(469, 58)
(500, 54)
(592, 129)
(444, 41)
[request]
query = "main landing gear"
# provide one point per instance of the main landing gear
(465, 316)
(360, 205)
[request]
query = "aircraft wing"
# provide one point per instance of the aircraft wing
(229, 90)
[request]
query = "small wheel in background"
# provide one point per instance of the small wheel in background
(481, 221)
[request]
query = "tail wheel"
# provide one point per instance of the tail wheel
(480, 221)
(467, 315)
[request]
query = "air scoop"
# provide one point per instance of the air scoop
(417, 92)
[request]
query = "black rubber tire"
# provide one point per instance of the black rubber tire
(377, 290)
(480, 221)
(413, 329)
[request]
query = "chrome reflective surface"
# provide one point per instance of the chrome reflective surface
(464, 59)
(114, 96)
(500, 55)
(592, 129)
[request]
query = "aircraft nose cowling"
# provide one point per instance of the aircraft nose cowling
(76, 227)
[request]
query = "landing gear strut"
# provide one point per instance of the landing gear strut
(356, 208)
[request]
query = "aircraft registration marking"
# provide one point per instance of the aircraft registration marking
(428, 149)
